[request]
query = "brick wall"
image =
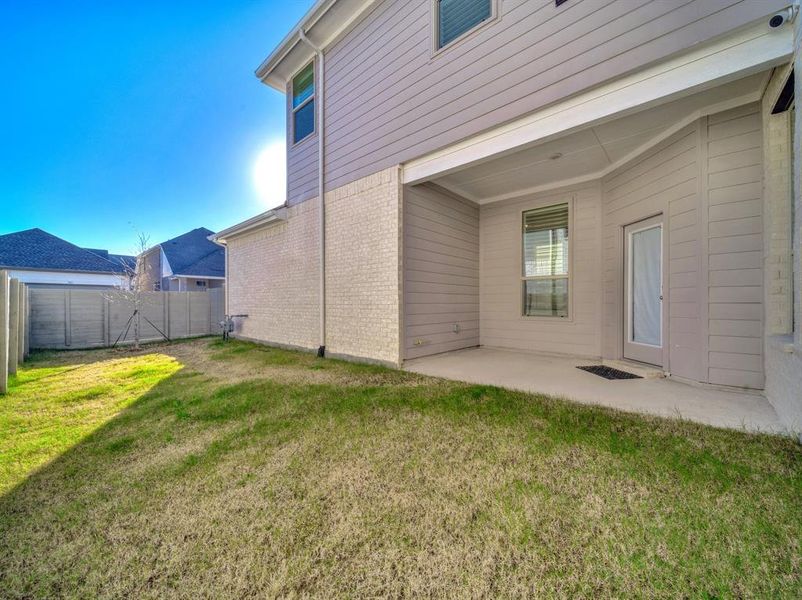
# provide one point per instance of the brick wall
(777, 208)
(274, 278)
(363, 261)
(783, 345)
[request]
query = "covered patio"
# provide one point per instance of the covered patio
(639, 239)
(559, 376)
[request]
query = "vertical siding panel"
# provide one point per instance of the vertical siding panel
(441, 272)
(735, 248)
(390, 100)
(663, 180)
(302, 158)
(502, 324)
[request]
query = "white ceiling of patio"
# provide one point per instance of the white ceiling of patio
(588, 152)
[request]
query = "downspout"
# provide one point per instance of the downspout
(319, 99)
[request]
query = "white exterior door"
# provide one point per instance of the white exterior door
(643, 291)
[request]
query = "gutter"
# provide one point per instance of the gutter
(266, 218)
(297, 34)
(320, 101)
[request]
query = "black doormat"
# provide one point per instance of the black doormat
(609, 372)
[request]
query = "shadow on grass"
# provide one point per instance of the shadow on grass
(146, 503)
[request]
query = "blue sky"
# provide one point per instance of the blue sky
(125, 117)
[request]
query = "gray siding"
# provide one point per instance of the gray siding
(301, 158)
(501, 322)
(735, 245)
(664, 180)
(389, 100)
(441, 272)
(150, 266)
(707, 182)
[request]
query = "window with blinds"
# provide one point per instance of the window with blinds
(455, 17)
(303, 103)
(545, 261)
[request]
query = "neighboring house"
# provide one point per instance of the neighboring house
(607, 179)
(190, 262)
(41, 259)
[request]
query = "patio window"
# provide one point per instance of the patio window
(303, 103)
(545, 261)
(456, 17)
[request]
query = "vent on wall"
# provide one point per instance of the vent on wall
(786, 98)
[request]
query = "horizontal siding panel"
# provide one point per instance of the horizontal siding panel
(502, 324)
(737, 345)
(454, 110)
(390, 101)
(429, 349)
(441, 272)
(736, 328)
(737, 378)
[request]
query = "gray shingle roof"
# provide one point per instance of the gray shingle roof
(193, 254)
(37, 249)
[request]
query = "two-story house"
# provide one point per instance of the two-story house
(598, 178)
(190, 262)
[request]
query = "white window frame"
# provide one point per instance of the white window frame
(570, 263)
(435, 20)
(294, 109)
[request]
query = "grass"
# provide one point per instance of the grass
(205, 469)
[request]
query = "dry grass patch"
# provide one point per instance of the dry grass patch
(328, 479)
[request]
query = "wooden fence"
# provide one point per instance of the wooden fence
(70, 318)
(61, 319)
(14, 340)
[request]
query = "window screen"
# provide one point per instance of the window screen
(303, 103)
(545, 261)
(455, 17)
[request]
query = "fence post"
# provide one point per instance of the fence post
(189, 321)
(67, 318)
(27, 321)
(21, 321)
(3, 332)
(168, 320)
(107, 308)
(13, 325)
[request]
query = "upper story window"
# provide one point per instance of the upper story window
(545, 262)
(456, 17)
(303, 103)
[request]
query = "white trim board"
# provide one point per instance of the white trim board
(68, 277)
(742, 53)
(688, 119)
(269, 217)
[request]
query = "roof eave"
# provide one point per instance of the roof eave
(57, 270)
(311, 17)
(332, 28)
(269, 217)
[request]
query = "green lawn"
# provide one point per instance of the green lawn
(204, 469)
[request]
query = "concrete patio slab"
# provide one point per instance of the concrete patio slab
(558, 376)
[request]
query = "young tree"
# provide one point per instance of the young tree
(134, 282)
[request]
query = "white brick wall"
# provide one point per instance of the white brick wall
(363, 260)
(274, 278)
(274, 273)
(777, 208)
(783, 347)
